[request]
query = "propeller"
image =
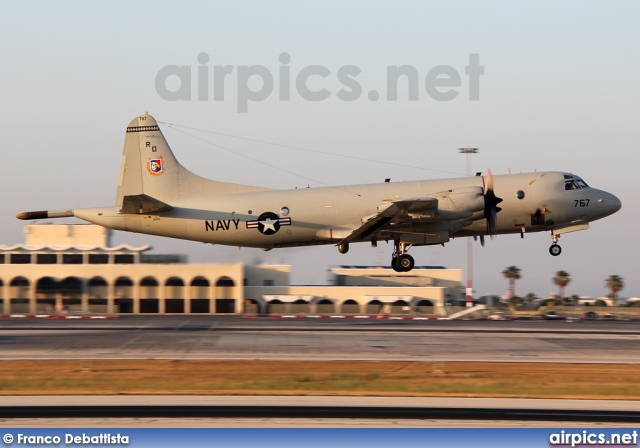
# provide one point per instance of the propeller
(475, 238)
(491, 208)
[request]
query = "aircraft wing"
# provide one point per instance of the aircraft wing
(396, 211)
(445, 209)
(142, 204)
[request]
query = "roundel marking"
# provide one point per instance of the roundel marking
(268, 223)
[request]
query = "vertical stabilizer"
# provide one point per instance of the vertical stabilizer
(148, 165)
(150, 168)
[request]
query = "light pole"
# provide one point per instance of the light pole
(468, 151)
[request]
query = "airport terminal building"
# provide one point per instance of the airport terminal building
(73, 269)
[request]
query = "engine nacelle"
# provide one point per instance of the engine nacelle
(459, 203)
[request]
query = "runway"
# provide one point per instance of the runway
(232, 337)
(307, 411)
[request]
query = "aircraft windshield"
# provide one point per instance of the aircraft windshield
(574, 183)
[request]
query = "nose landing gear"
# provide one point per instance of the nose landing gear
(400, 260)
(555, 249)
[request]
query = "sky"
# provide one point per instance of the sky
(558, 91)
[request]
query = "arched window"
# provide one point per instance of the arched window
(123, 288)
(123, 295)
(19, 290)
(200, 291)
(374, 307)
(97, 291)
(174, 297)
(425, 306)
(174, 290)
(200, 281)
(70, 286)
(123, 281)
(350, 307)
(97, 281)
(325, 306)
(225, 281)
(400, 307)
(19, 281)
(174, 281)
(46, 291)
(148, 290)
(275, 306)
(46, 285)
(148, 281)
(225, 295)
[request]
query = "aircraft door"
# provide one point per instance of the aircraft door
(538, 218)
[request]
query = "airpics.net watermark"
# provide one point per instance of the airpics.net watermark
(257, 83)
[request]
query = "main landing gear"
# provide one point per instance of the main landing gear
(555, 249)
(401, 261)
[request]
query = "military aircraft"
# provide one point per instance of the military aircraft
(158, 196)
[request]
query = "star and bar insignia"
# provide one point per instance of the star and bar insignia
(268, 223)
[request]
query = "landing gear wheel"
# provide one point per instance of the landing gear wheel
(405, 262)
(400, 260)
(555, 250)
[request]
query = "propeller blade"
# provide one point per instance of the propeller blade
(488, 184)
(475, 238)
(491, 208)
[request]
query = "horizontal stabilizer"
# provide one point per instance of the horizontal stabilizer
(45, 214)
(141, 204)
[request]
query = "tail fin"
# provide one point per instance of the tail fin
(150, 168)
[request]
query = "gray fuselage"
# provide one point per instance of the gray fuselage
(532, 202)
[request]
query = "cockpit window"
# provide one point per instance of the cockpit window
(581, 183)
(574, 183)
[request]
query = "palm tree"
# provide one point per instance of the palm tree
(561, 280)
(615, 283)
(512, 273)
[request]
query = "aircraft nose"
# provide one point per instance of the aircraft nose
(609, 203)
